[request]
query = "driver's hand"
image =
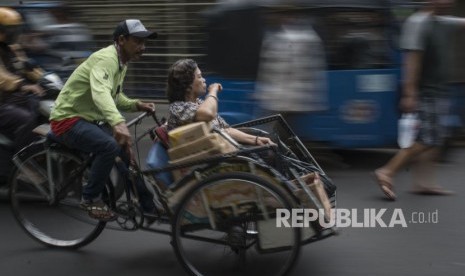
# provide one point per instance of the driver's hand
(130, 154)
(147, 107)
(122, 135)
(33, 88)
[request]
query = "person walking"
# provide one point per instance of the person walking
(291, 76)
(426, 43)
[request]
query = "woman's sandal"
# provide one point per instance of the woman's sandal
(98, 210)
(385, 183)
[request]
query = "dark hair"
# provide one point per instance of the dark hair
(181, 75)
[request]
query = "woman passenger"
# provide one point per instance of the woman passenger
(185, 87)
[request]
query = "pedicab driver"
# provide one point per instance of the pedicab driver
(87, 114)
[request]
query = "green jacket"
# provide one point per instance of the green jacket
(93, 91)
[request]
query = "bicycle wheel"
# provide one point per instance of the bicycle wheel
(47, 208)
(226, 225)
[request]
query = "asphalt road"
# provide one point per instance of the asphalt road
(434, 247)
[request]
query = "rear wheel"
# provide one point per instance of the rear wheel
(45, 192)
(226, 225)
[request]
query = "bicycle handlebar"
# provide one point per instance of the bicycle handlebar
(142, 116)
(138, 119)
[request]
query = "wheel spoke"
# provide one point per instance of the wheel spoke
(225, 226)
(48, 215)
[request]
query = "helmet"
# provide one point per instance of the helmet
(10, 24)
(9, 17)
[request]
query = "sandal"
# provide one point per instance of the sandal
(98, 210)
(385, 184)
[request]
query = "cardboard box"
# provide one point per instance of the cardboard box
(188, 133)
(177, 174)
(201, 148)
(230, 193)
(212, 141)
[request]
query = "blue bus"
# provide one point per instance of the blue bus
(362, 82)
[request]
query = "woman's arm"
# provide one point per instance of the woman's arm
(209, 108)
(248, 139)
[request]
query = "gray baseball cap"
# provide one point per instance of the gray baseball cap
(132, 27)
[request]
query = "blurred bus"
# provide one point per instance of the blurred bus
(360, 38)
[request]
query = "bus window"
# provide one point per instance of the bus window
(356, 39)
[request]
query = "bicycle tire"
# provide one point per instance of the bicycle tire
(239, 236)
(56, 223)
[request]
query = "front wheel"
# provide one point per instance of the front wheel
(45, 192)
(226, 225)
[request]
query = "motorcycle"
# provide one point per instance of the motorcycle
(52, 84)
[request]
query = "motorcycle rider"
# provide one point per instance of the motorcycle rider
(19, 91)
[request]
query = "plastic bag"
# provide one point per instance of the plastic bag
(157, 158)
(407, 130)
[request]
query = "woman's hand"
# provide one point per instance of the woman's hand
(215, 88)
(261, 141)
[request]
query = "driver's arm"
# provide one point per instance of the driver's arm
(102, 85)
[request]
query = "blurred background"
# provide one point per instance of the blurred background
(359, 38)
(360, 42)
(85, 26)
